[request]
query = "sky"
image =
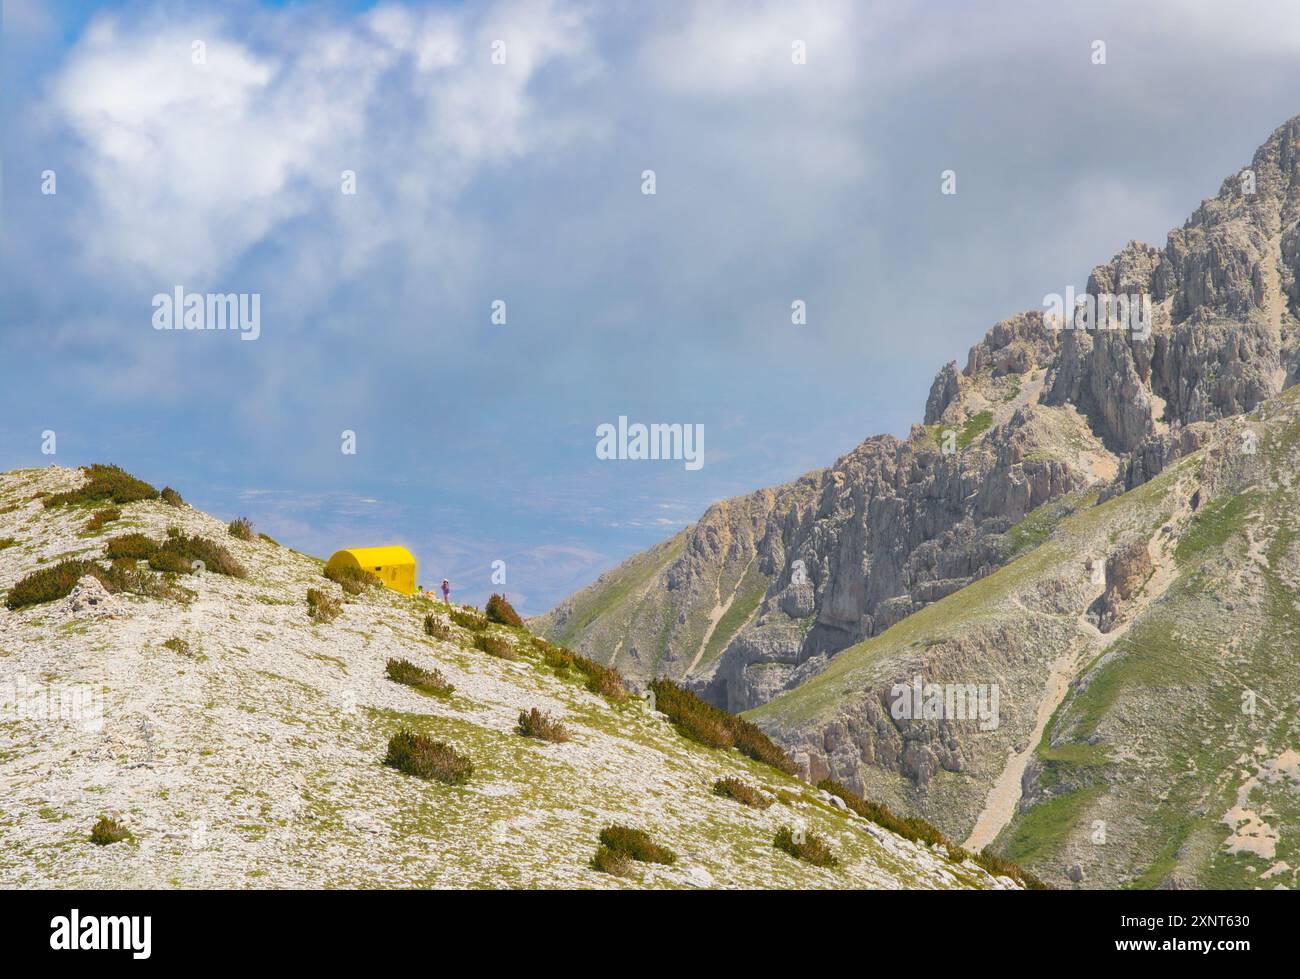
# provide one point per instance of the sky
(499, 152)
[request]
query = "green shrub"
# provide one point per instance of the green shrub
(911, 828)
(137, 547)
(8, 542)
(611, 862)
(601, 679)
(178, 645)
(811, 848)
(423, 757)
(429, 681)
(636, 843)
(108, 831)
(171, 497)
(919, 831)
(102, 516)
(467, 619)
(50, 584)
(434, 626)
(269, 539)
(538, 724)
(734, 788)
(713, 726)
(352, 580)
(495, 646)
(178, 553)
(242, 528)
(105, 483)
(321, 607)
(501, 611)
(999, 867)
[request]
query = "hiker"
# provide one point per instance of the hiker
(446, 591)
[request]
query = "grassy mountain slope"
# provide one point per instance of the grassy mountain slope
(240, 742)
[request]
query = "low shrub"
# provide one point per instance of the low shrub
(636, 843)
(352, 580)
(434, 626)
(999, 867)
(713, 726)
(501, 611)
(495, 646)
(178, 645)
(467, 619)
(108, 831)
(321, 607)
(105, 483)
(538, 724)
(601, 679)
(102, 516)
(171, 497)
(137, 547)
(810, 848)
(734, 788)
(429, 681)
(919, 831)
(423, 757)
(269, 539)
(8, 542)
(178, 553)
(242, 528)
(51, 584)
(611, 862)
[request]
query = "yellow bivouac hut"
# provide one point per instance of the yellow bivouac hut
(394, 566)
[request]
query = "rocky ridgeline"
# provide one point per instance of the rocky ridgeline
(764, 591)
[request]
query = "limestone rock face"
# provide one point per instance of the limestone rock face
(766, 590)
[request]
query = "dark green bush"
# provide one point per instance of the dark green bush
(171, 497)
(734, 788)
(352, 580)
(423, 757)
(811, 849)
(321, 607)
(501, 611)
(919, 831)
(601, 679)
(242, 528)
(713, 726)
(635, 843)
(177, 644)
(105, 483)
(429, 681)
(179, 553)
(269, 539)
(102, 516)
(538, 724)
(50, 584)
(495, 646)
(108, 831)
(8, 542)
(138, 547)
(434, 626)
(611, 862)
(467, 619)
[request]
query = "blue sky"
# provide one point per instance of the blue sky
(522, 182)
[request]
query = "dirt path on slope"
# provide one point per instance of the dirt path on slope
(1004, 796)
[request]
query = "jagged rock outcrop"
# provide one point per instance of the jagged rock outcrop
(1044, 406)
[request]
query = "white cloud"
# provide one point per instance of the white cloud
(192, 164)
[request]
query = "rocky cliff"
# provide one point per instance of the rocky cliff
(1059, 421)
